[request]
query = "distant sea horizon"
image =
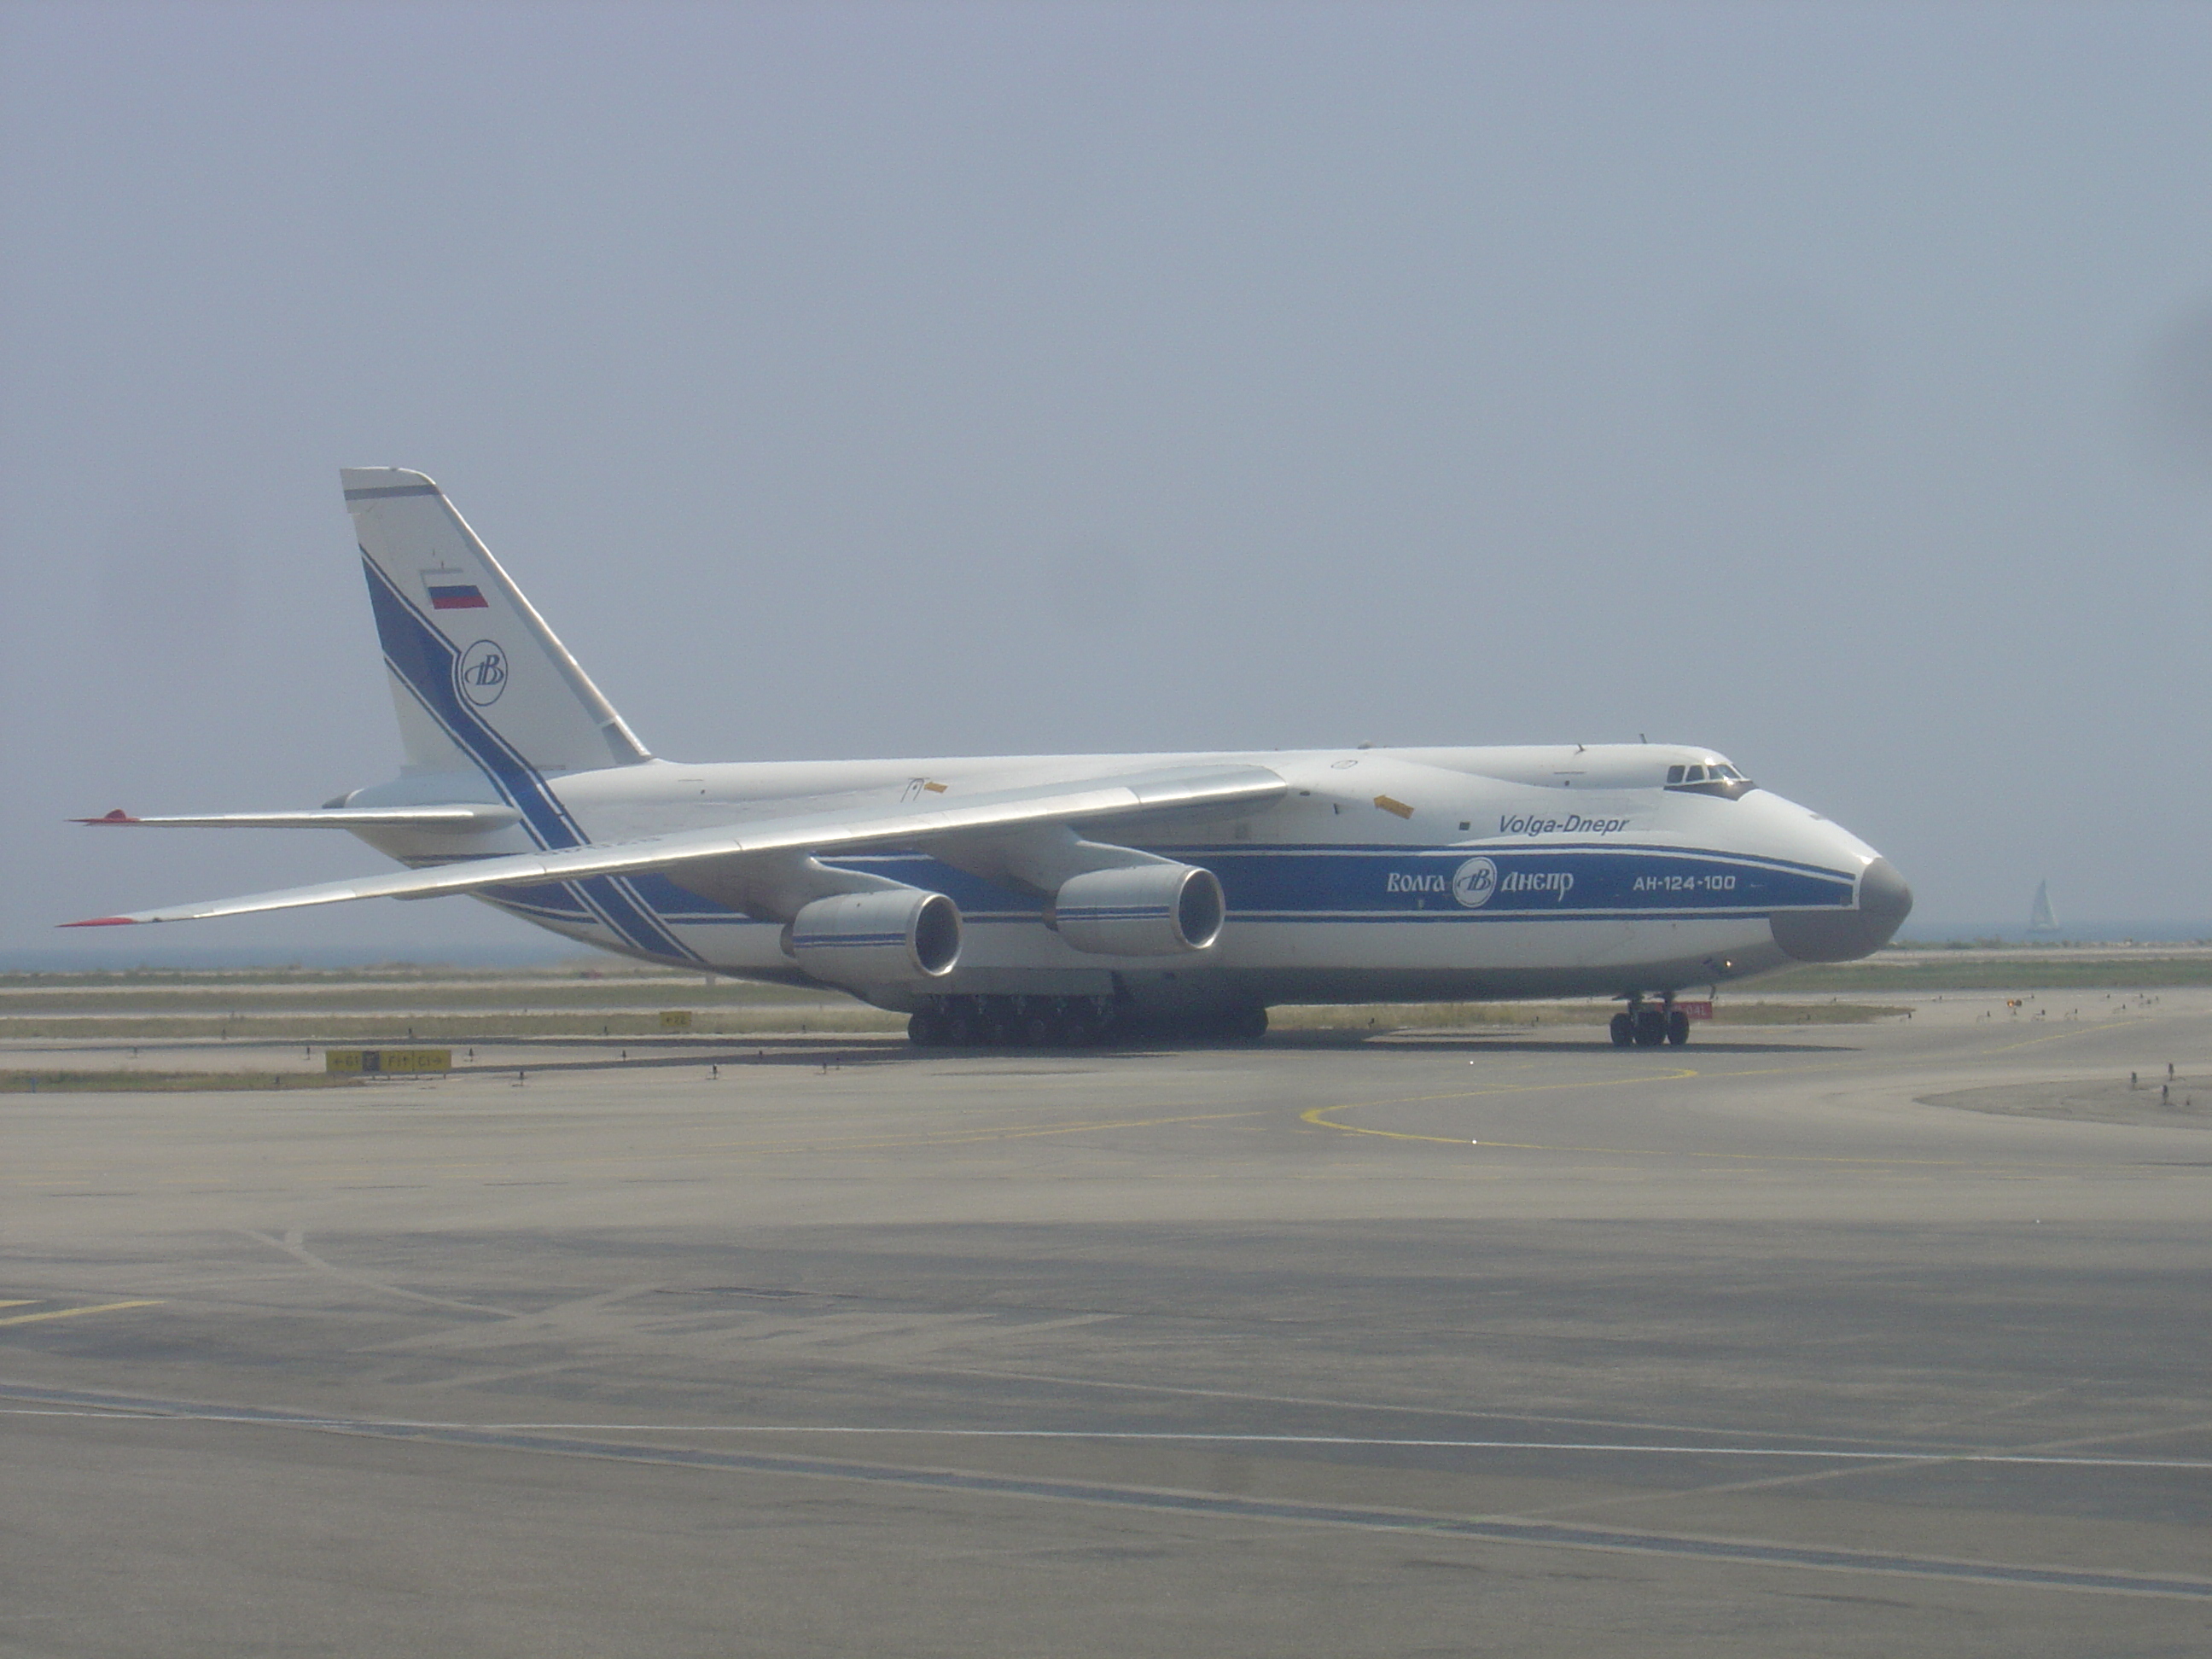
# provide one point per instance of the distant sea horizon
(2087, 933)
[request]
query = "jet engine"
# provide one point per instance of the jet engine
(880, 940)
(1140, 910)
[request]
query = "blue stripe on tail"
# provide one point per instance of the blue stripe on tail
(424, 660)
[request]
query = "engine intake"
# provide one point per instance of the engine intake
(861, 940)
(1140, 910)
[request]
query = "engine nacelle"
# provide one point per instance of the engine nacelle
(902, 937)
(1140, 910)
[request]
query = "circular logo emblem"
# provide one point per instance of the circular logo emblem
(482, 673)
(1474, 881)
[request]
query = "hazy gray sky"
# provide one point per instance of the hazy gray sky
(1830, 385)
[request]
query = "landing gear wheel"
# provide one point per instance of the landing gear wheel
(958, 1028)
(1001, 1026)
(925, 1030)
(1650, 1027)
(1038, 1029)
(1678, 1027)
(1244, 1024)
(1623, 1030)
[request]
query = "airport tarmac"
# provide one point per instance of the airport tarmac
(1422, 1344)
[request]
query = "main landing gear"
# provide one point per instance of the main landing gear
(1007, 1022)
(1649, 1024)
(1011, 1022)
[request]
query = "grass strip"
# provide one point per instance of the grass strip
(377, 998)
(1431, 1016)
(2051, 972)
(355, 1031)
(337, 1030)
(131, 1081)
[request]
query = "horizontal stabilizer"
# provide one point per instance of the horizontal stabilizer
(452, 820)
(1170, 789)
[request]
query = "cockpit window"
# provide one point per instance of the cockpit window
(1709, 778)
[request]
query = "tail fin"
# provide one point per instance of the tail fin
(477, 676)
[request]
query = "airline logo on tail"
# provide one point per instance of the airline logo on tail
(482, 673)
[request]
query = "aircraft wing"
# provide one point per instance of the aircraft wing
(904, 824)
(459, 819)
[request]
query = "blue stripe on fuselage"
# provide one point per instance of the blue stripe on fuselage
(1329, 884)
(1530, 881)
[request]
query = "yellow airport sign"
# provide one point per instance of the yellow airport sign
(675, 1019)
(380, 1062)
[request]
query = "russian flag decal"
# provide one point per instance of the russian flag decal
(456, 596)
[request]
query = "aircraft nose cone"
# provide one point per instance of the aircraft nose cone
(1844, 935)
(1883, 893)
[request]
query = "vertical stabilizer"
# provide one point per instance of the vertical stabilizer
(479, 677)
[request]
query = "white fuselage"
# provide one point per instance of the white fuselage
(1409, 873)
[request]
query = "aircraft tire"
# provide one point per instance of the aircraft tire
(959, 1029)
(1038, 1028)
(1650, 1027)
(1245, 1024)
(925, 1030)
(1623, 1030)
(1077, 1023)
(1678, 1027)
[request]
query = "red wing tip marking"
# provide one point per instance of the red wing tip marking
(119, 816)
(105, 921)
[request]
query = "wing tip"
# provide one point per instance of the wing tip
(102, 922)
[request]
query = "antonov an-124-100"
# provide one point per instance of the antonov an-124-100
(1056, 900)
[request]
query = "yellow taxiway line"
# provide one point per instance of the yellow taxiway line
(72, 1313)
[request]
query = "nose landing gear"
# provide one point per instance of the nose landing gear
(1649, 1025)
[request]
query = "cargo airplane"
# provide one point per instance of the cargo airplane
(1053, 900)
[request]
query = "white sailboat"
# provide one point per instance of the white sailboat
(2040, 917)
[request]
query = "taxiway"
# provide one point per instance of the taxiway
(1429, 1345)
